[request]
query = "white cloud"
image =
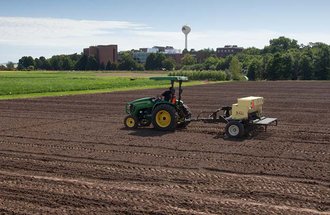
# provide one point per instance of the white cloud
(49, 36)
(59, 32)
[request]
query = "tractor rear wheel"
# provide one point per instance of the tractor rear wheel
(164, 118)
(234, 129)
(130, 122)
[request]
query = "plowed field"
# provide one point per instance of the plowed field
(71, 155)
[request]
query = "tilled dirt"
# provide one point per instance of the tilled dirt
(72, 155)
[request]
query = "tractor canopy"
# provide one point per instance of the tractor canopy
(173, 79)
(170, 78)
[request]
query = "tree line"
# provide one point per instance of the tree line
(80, 62)
(282, 59)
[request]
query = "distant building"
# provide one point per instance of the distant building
(171, 50)
(160, 48)
(228, 50)
(142, 54)
(143, 49)
(103, 53)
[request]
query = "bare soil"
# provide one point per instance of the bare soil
(72, 155)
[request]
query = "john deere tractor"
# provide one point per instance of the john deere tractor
(164, 115)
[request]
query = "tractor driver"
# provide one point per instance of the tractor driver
(169, 94)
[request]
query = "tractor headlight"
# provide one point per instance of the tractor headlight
(129, 108)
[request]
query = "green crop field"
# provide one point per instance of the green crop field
(41, 83)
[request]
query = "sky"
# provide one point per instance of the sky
(45, 27)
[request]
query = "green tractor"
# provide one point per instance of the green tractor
(163, 114)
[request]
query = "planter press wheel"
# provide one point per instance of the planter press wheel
(234, 129)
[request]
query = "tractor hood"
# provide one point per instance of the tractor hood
(139, 104)
(139, 101)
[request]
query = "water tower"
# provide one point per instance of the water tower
(186, 30)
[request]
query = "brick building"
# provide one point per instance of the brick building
(228, 50)
(103, 53)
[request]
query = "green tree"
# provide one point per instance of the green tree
(25, 63)
(159, 61)
(203, 54)
(295, 69)
(280, 67)
(10, 66)
(3, 67)
(67, 63)
(111, 66)
(127, 62)
(154, 61)
(150, 62)
(224, 63)
(81, 63)
(211, 63)
(286, 68)
(42, 63)
(306, 67)
(252, 51)
(255, 70)
(102, 66)
(188, 59)
(108, 66)
(75, 57)
(274, 68)
(168, 64)
(139, 67)
(37, 63)
(267, 60)
(281, 44)
(56, 62)
(322, 63)
(235, 69)
(92, 64)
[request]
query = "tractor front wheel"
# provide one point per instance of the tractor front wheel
(234, 129)
(130, 122)
(164, 118)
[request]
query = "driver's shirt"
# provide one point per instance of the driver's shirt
(167, 95)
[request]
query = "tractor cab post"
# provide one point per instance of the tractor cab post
(180, 90)
(180, 87)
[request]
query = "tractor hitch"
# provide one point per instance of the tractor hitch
(214, 117)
